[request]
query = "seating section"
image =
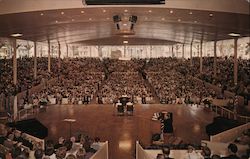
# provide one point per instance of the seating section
(6, 83)
(78, 82)
(170, 79)
(124, 78)
(124, 83)
(172, 85)
(16, 144)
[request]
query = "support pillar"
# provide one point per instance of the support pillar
(35, 60)
(49, 62)
(124, 50)
(215, 58)
(183, 47)
(235, 61)
(90, 51)
(14, 62)
(99, 51)
(59, 56)
(151, 51)
(67, 50)
(172, 50)
(191, 54)
(201, 58)
(15, 77)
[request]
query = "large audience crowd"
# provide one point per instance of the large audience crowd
(129, 84)
(174, 88)
(15, 144)
(79, 80)
(205, 152)
(171, 78)
(172, 84)
(124, 79)
(115, 65)
(25, 74)
(6, 81)
(224, 77)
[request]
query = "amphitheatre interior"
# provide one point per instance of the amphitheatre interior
(119, 73)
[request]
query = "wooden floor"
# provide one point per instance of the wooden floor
(123, 131)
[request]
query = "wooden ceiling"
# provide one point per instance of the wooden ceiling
(95, 26)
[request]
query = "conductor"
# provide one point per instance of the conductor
(168, 124)
(166, 119)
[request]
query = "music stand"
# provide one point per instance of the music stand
(70, 121)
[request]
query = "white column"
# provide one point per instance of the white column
(59, 56)
(124, 50)
(67, 50)
(191, 54)
(201, 60)
(15, 110)
(215, 58)
(99, 51)
(172, 50)
(14, 62)
(235, 61)
(15, 76)
(49, 62)
(35, 60)
(151, 51)
(183, 47)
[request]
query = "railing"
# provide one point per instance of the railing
(244, 119)
(25, 114)
(224, 112)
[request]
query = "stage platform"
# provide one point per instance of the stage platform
(122, 131)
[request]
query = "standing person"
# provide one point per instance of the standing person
(166, 125)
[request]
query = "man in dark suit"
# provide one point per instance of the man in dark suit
(168, 123)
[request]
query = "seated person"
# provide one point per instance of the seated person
(192, 154)
(166, 152)
(245, 138)
(96, 144)
(232, 149)
(206, 152)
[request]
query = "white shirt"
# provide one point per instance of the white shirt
(193, 155)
